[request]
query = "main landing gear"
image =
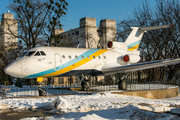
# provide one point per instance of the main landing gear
(122, 85)
(85, 83)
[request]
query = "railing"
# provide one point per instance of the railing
(96, 86)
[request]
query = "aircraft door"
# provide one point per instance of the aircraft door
(57, 62)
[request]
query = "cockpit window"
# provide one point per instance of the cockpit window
(42, 53)
(24, 53)
(37, 53)
(30, 53)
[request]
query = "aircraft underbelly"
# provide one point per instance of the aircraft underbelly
(80, 72)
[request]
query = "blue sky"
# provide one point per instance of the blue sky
(99, 9)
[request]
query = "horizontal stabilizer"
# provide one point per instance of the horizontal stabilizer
(146, 28)
(154, 27)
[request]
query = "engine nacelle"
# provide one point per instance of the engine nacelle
(127, 59)
(117, 45)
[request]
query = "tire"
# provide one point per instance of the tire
(122, 85)
(85, 85)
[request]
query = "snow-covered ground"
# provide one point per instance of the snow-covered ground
(98, 107)
(33, 90)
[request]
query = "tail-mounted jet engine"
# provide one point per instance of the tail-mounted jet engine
(128, 59)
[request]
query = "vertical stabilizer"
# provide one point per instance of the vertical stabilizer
(134, 39)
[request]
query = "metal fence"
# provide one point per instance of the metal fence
(134, 82)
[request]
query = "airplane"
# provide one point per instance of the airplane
(120, 57)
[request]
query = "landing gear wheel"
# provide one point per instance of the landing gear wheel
(85, 85)
(122, 85)
(42, 92)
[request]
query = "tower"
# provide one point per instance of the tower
(8, 32)
(107, 32)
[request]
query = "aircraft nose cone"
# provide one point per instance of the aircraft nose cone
(14, 69)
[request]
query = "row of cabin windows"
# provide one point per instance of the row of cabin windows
(63, 56)
(39, 53)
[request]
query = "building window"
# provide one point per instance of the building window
(72, 33)
(77, 32)
(68, 34)
(60, 80)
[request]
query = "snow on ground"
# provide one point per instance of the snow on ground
(33, 90)
(97, 106)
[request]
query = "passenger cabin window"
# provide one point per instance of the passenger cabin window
(42, 53)
(37, 54)
(69, 57)
(76, 56)
(63, 57)
(30, 53)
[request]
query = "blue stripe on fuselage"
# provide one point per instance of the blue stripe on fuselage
(133, 44)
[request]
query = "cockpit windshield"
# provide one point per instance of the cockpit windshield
(35, 53)
(42, 53)
(24, 53)
(30, 53)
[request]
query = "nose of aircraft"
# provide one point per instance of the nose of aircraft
(14, 69)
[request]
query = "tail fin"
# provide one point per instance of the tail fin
(134, 39)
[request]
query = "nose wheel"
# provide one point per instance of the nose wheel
(42, 91)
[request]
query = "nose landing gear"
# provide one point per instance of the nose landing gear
(42, 91)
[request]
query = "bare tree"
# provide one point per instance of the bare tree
(37, 20)
(162, 43)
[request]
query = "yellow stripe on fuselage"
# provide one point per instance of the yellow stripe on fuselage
(75, 65)
(134, 47)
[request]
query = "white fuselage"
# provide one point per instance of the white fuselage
(59, 61)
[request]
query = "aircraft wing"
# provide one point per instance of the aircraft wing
(139, 66)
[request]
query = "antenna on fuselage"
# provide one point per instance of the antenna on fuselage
(78, 45)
